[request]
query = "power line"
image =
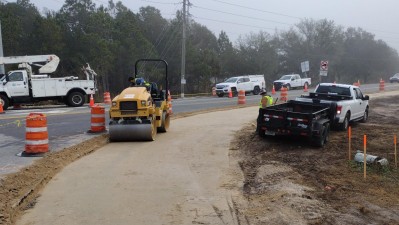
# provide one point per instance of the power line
(239, 24)
(250, 17)
(259, 10)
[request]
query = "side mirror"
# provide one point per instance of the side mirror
(238, 82)
(366, 97)
(292, 79)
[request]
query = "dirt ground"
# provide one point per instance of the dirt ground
(289, 182)
(285, 180)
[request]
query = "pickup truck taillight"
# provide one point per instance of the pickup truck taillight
(339, 109)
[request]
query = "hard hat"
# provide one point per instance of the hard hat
(139, 81)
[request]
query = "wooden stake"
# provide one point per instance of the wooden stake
(396, 156)
(364, 157)
(349, 140)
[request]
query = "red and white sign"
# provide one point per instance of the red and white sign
(324, 65)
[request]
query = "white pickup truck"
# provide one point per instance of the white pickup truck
(249, 83)
(291, 81)
(351, 104)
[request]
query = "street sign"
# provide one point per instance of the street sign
(323, 73)
(183, 81)
(324, 65)
(305, 66)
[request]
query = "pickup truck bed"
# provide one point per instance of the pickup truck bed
(310, 120)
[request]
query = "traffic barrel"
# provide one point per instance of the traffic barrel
(241, 97)
(107, 98)
(213, 91)
(283, 94)
(97, 119)
(382, 85)
(36, 134)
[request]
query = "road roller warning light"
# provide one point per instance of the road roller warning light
(141, 110)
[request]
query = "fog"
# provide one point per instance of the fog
(240, 17)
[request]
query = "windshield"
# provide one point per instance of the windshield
(286, 77)
(334, 90)
(231, 80)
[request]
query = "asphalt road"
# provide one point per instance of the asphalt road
(68, 126)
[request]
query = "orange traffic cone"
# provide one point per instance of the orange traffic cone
(230, 94)
(1, 108)
(273, 90)
(305, 88)
(91, 101)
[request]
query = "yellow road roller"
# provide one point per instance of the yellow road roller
(140, 111)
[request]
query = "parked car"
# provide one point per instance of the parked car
(394, 78)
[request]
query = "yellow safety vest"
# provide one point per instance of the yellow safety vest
(265, 101)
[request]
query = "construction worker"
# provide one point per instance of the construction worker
(132, 81)
(264, 102)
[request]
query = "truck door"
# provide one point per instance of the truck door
(17, 84)
(297, 81)
(240, 84)
(248, 84)
(360, 106)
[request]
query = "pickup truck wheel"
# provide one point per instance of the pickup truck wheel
(288, 86)
(220, 94)
(256, 90)
(365, 116)
(76, 99)
(4, 101)
(345, 124)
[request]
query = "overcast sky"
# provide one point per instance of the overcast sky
(240, 17)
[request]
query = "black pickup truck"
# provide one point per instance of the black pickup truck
(308, 119)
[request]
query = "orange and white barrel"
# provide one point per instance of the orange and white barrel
(283, 94)
(214, 91)
(97, 119)
(241, 97)
(107, 98)
(36, 134)
(382, 85)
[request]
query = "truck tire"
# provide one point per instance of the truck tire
(365, 116)
(288, 86)
(256, 90)
(320, 141)
(345, 124)
(4, 101)
(75, 99)
(220, 94)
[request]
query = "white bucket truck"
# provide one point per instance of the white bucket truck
(22, 86)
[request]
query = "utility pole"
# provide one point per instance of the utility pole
(183, 51)
(2, 71)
